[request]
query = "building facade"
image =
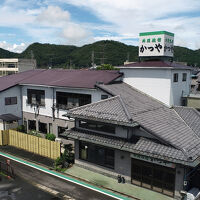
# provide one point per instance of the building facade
(10, 66)
(133, 136)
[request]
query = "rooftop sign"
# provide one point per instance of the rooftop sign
(159, 43)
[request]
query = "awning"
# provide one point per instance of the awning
(9, 117)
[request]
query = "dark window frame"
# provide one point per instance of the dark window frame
(10, 101)
(66, 100)
(39, 97)
(184, 77)
(97, 126)
(97, 154)
(31, 124)
(175, 77)
(42, 127)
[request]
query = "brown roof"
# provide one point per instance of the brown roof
(12, 80)
(157, 64)
(59, 78)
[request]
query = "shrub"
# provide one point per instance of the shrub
(66, 158)
(50, 136)
(21, 128)
(34, 133)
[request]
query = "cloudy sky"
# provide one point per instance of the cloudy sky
(78, 22)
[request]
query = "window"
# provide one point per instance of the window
(61, 130)
(10, 100)
(104, 96)
(11, 65)
(42, 127)
(97, 126)
(70, 100)
(97, 154)
(31, 124)
(184, 78)
(175, 77)
(36, 97)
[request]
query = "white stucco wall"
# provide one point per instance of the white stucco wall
(47, 109)
(158, 83)
(180, 88)
(154, 82)
(13, 109)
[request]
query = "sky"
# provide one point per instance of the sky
(79, 22)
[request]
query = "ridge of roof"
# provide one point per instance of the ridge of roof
(125, 109)
(158, 119)
(108, 109)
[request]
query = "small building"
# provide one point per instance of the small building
(10, 66)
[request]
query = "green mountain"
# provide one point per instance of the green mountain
(110, 52)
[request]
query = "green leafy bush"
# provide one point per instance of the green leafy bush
(50, 136)
(66, 159)
(21, 128)
(34, 133)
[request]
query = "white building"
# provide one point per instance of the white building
(167, 82)
(10, 66)
(42, 97)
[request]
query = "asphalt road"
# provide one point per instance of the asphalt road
(19, 189)
(72, 190)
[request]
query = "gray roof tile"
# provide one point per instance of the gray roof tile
(161, 121)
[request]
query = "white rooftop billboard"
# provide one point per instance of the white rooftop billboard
(159, 43)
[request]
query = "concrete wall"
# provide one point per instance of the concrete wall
(180, 88)
(194, 101)
(45, 119)
(158, 83)
(26, 64)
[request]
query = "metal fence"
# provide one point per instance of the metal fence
(30, 143)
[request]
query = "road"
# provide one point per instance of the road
(72, 190)
(19, 189)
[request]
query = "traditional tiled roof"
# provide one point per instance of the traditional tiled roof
(112, 109)
(142, 146)
(191, 117)
(162, 122)
(59, 78)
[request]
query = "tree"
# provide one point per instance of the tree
(106, 67)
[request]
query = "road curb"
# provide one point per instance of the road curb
(64, 177)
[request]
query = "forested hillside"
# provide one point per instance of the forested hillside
(110, 52)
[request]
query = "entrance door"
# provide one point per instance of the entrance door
(154, 177)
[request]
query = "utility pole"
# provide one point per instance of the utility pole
(128, 56)
(92, 58)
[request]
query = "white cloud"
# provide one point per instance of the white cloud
(18, 48)
(53, 16)
(76, 34)
(130, 17)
